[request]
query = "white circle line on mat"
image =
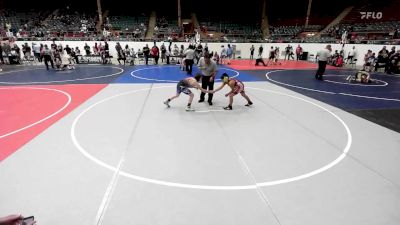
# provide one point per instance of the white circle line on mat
(172, 81)
(212, 187)
(78, 79)
(41, 120)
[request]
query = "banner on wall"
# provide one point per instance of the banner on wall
(371, 15)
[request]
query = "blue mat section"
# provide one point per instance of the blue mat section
(83, 74)
(172, 74)
(304, 82)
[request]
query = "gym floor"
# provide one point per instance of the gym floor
(96, 145)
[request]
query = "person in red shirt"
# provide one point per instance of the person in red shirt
(299, 51)
(236, 87)
(155, 52)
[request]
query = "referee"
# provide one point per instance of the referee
(323, 57)
(208, 70)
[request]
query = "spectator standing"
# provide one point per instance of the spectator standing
(287, 52)
(189, 54)
(163, 52)
(155, 53)
(146, 53)
(229, 54)
(260, 51)
(299, 51)
(77, 51)
(223, 54)
(351, 55)
(67, 50)
(1, 54)
(53, 45)
(199, 50)
(87, 49)
(252, 52)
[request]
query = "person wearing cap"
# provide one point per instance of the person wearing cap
(208, 70)
(323, 57)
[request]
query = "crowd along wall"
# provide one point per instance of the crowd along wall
(243, 48)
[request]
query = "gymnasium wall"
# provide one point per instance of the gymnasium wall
(244, 48)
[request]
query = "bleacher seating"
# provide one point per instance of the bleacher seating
(128, 24)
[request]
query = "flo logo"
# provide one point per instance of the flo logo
(371, 15)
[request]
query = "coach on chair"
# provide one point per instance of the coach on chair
(208, 70)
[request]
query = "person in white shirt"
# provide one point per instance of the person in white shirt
(323, 55)
(36, 51)
(223, 54)
(351, 55)
(189, 59)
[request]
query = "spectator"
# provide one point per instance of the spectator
(394, 63)
(77, 51)
(299, 51)
(163, 52)
(146, 53)
(383, 55)
(229, 54)
(205, 50)
(53, 45)
(67, 50)
(287, 52)
(87, 49)
(252, 52)
(277, 55)
(216, 58)
(260, 51)
(351, 55)
(189, 55)
(74, 56)
(121, 53)
(96, 49)
(175, 51)
(199, 50)
(223, 54)
(1, 54)
(155, 53)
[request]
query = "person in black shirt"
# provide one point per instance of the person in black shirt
(163, 52)
(74, 56)
(260, 51)
(1, 54)
(68, 50)
(252, 52)
(87, 49)
(146, 53)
